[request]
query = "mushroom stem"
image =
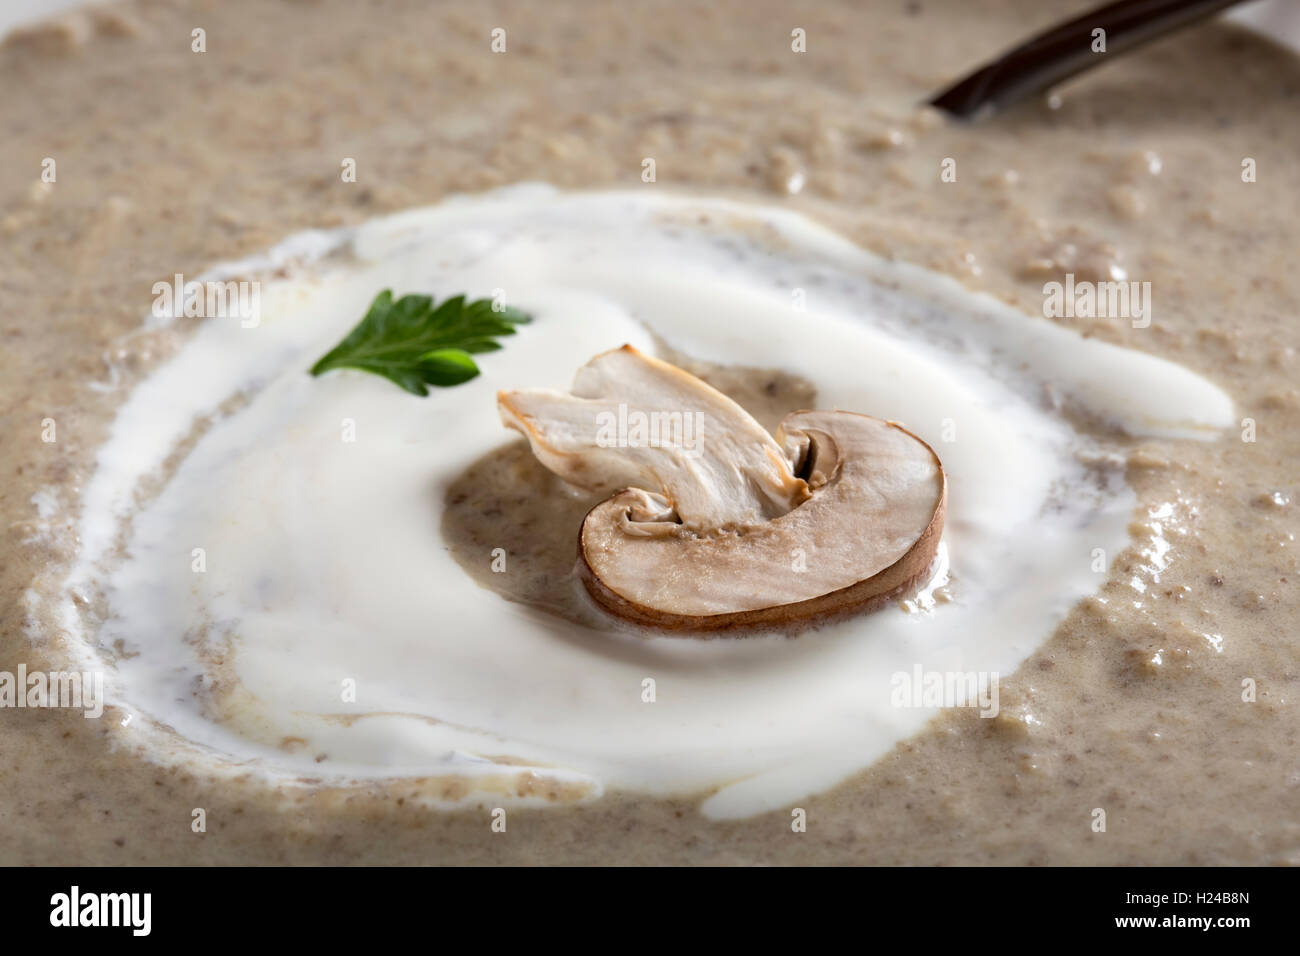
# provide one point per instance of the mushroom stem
(633, 421)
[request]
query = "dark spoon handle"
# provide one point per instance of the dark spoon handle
(1066, 49)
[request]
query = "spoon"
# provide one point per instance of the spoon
(1066, 49)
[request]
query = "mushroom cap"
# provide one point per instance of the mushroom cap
(869, 532)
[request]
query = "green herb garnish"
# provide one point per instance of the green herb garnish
(412, 343)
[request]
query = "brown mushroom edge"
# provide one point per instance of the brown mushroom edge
(905, 575)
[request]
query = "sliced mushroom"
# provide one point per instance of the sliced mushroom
(866, 502)
(717, 466)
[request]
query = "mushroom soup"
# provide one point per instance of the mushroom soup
(290, 583)
(461, 682)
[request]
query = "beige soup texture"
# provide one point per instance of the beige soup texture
(169, 160)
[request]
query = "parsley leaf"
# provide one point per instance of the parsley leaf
(413, 343)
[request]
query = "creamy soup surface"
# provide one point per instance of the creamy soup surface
(1157, 687)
